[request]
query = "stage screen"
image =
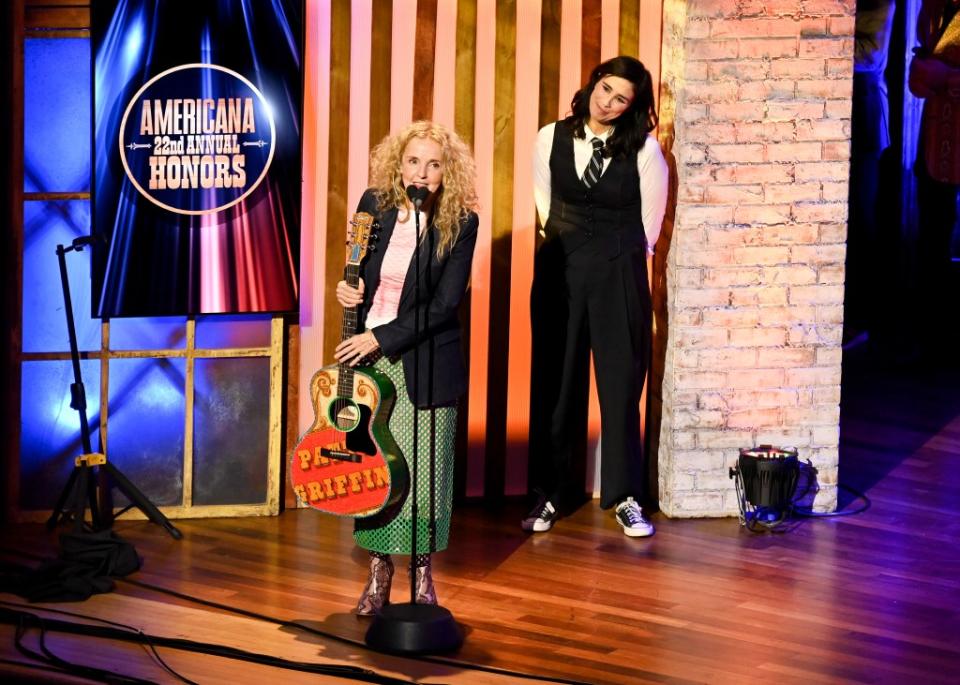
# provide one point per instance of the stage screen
(197, 152)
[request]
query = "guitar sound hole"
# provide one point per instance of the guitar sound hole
(354, 420)
(347, 418)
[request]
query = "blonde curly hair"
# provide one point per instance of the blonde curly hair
(458, 194)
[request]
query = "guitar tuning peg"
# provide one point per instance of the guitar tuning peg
(371, 248)
(374, 237)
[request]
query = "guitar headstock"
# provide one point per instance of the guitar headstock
(359, 237)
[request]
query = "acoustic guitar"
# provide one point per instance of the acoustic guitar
(347, 463)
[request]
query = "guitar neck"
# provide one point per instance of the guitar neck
(348, 328)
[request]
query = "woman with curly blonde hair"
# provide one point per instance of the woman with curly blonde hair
(409, 330)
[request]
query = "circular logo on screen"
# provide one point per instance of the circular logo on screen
(197, 139)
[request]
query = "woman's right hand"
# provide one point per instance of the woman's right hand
(349, 296)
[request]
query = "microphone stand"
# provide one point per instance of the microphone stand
(411, 628)
(81, 490)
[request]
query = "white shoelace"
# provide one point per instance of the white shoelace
(632, 513)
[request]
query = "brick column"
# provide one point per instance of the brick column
(756, 110)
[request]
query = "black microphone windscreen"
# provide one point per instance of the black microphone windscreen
(87, 240)
(417, 194)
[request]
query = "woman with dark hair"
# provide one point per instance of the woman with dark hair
(600, 184)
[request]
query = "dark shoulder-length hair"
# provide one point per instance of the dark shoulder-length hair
(631, 127)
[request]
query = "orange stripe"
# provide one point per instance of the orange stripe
(423, 59)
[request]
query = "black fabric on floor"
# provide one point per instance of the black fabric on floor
(86, 565)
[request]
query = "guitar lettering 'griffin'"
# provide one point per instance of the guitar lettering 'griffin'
(347, 463)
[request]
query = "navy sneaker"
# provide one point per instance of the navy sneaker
(541, 517)
(630, 517)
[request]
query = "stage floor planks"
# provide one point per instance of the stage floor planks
(870, 598)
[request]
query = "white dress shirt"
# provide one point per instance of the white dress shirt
(651, 167)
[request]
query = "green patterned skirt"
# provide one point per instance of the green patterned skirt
(392, 534)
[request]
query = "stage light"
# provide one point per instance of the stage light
(766, 480)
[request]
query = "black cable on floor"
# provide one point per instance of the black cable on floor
(32, 665)
(22, 619)
(441, 661)
(124, 626)
(347, 672)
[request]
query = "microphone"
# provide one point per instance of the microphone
(79, 243)
(417, 195)
(86, 240)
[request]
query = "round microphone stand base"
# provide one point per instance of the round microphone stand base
(414, 629)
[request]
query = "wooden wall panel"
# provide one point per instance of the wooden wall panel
(424, 59)
(502, 227)
(381, 45)
(496, 70)
(338, 154)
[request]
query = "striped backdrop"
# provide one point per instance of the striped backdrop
(495, 71)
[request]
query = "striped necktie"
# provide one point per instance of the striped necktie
(592, 173)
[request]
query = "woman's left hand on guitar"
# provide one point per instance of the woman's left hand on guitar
(356, 347)
(349, 296)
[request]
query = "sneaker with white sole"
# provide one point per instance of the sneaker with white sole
(630, 517)
(541, 517)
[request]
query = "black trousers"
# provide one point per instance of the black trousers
(580, 303)
(935, 322)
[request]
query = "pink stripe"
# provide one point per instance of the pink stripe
(651, 33)
(361, 27)
(480, 283)
(212, 281)
(445, 64)
(609, 29)
(313, 235)
(401, 57)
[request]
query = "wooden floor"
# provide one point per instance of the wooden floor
(870, 598)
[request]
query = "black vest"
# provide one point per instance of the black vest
(599, 222)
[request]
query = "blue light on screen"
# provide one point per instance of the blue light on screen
(56, 116)
(153, 333)
(50, 428)
(235, 330)
(146, 419)
(46, 225)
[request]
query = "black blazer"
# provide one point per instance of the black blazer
(442, 375)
